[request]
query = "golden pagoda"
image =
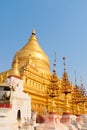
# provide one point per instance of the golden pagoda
(66, 89)
(33, 66)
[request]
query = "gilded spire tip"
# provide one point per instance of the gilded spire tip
(33, 32)
(54, 70)
(64, 63)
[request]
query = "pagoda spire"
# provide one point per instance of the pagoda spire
(64, 63)
(54, 70)
(33, 32)
(65, 75)
(15, 71)
(53, 88)
(39, 58)
(66, 87)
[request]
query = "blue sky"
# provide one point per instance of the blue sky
(61, 26)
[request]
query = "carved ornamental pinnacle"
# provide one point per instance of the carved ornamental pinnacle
(66, 87)
(53, 88)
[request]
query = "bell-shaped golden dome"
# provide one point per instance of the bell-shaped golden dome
(38, 57)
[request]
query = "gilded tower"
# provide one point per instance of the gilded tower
(33, 66)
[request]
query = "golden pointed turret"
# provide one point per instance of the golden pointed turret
(66, 88)
(39, 59)
(52, 92)
(65, 81)
(15, 71)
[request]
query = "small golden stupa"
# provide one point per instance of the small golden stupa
(32, 65)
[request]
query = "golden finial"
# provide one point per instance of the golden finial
(64, 63)
(54, 70)
(65, 76)
(33, 32)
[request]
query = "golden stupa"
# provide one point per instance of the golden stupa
(38, 58)
(46, 89)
